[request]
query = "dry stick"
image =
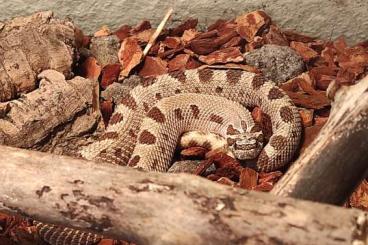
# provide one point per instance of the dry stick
(157, 32)
(335, 163)
(160, 208)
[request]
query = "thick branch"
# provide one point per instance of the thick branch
(335, 163)
(159, 208)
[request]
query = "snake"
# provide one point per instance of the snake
(148, 121)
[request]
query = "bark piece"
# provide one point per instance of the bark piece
(86, 195)
(248, 178)
(179, 62)
(225, 55)
(188, 24)
(90, 69)
(110, 74)
(248, 25)
(29, 45)
(304, 51)
(336, 160)
(153, 66)
(130, 55)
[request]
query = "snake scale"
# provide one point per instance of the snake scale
(146, 125)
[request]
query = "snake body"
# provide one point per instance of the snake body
(147, 123)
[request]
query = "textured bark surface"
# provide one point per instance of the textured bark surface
(334, 164)
(50, 118)
(32, 44)
(159, 208)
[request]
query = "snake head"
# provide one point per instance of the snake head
(246, 145)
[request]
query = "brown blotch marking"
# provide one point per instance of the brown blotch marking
(216, 118)
(244, 125)
(258, 81)
(275, 93)
(180, 75)
(158, 96)
(219, 90)
(116, 118)
(263, 160)
(149, 81)
(231, 130)
(132, 133)
(129, 102)
(278, 142)
(147, 138)
(134, 161)
(177, 91)
(109, 135)
(256, 128)
(145, 107)
(156, 115)
(241, 93)
(195, 111)
(233, 76)
(197, 90)
(205, 75)
(192, 143)
(286, 114)
(165, 136)
(178, 113)
(207, 145)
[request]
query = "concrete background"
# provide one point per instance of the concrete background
(321, 18)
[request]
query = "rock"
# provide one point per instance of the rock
(277, 63)
(188, 166)
(116, 90)
(105, 49)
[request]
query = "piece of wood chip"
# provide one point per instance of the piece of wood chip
(188, 24)
(90, 69)
(130, 55)
(193, 152)
(110, 74)
(248, 178)
(153, 66)
(304, 51)
(106, 110)
(226, 55)
(307, 116)
(179, 62)
(249, 24)
(104, 31)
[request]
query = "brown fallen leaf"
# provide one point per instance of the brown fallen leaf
(130, 55)
(248, 178)
(110, 74)
(123, 32)
(249, 24)
(90, 69)
(304, 51)
(188, 24)
(179, 62)
(226, 55)
(275, 36)
(153, 66)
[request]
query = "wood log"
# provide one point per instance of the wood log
(335, 163)
(50, 116)
(161, 208)
(29, 45)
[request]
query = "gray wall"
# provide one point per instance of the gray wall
(323, 18)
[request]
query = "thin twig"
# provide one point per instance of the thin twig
(157, 32)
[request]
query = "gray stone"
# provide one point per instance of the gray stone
(105, 49)
(188, 166)
(277, 63)
(325, 19)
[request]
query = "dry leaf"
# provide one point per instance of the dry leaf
(226, 55)
(179, 62)
(248, 25)
(153, 66)
(304, 51)
(110, 74)
(130, 55)
(90, 69)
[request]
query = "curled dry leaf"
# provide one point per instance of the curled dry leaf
(153, 66)
(90, 69)
(248, 25)
(179, 62)
(304, 51)
(110, 74)
(226, 55)
(248, 178)
(130, 55)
